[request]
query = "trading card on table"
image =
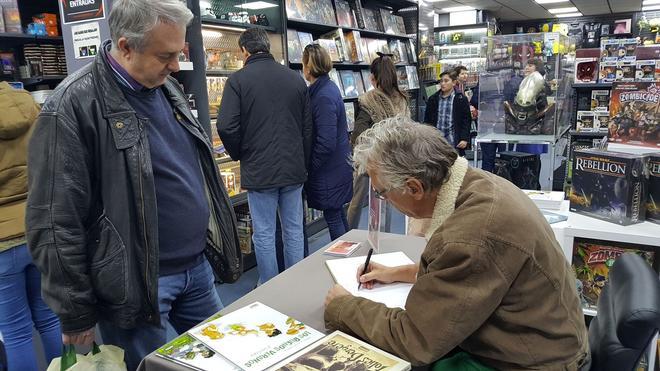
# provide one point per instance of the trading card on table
(634, 114)
(610, 186)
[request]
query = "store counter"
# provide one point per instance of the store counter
(300, 290)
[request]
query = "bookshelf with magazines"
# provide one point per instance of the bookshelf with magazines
(353, 32)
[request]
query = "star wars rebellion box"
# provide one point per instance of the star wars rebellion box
(610, 186)
(520, 168)
(653, 196)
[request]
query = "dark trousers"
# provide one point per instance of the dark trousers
(488, 151)
(337, 222)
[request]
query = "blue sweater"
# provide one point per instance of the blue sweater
(183, 210)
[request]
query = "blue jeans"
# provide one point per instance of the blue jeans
(488, 151)
(184, 299)
(22, 307)
(264, 205)
(337, 222)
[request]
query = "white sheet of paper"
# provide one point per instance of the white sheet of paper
(393, 295)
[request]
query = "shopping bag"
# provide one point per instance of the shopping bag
(101, 358)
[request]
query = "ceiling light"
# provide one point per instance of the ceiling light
(566, 15)
(254, 5)
(550, 1)
(431, 13)
(456, 9)
(571, 9)
(650, 2)
(225, 28)
(651, 7)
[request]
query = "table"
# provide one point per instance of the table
(300, 290)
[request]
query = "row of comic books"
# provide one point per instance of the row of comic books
(257, 337)
(350, 47)
(349, 13)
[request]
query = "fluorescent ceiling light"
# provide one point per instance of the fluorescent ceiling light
(254, 5)
(570, 9)
(566, 15)
(434, 1)
(650, 2)
(550, 1)
(651, 7)
(226, 28)
(456, 9)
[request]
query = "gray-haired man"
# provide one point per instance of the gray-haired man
(124, 195)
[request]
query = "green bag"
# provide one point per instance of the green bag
(460, 362)
(103, 358)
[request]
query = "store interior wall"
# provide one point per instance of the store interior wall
(73, 64)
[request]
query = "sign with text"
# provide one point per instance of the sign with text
(74, 11)
(86, 39)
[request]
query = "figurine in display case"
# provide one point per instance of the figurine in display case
(526, 114)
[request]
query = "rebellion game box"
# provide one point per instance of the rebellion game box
(592, 261)
(634, 114)
(610, 186)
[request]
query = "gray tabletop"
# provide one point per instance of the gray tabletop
(300, 290)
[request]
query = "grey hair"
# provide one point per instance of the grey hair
(134, 19)
(402, 149)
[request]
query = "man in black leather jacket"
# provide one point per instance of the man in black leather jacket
(125, 200)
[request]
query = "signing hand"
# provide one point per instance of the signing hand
(376, 273)
(462, 144)
(79, 338)
(335, 292)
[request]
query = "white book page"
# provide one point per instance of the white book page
(393, 295)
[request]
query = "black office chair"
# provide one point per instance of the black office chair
(626, 327)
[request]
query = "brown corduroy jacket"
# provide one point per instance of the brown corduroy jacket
(18, 114)
(492, 281)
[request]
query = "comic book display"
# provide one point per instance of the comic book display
(610, 186)
(318, 11)
(634, 114)
(592, 261)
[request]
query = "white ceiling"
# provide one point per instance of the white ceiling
(516, 10)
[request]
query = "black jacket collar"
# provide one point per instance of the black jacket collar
(259, 57)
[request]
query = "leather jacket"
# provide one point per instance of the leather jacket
(91, 220)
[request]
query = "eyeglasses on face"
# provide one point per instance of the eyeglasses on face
(381, 195)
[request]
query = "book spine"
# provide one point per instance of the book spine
(359, 15)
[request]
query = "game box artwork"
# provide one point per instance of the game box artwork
(653, 197)
(610, 186)
(634, 114)
(521, 169)
(592, 261)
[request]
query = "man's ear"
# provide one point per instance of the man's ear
(415, 188)
(123, 48)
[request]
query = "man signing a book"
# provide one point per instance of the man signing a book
(492, 282)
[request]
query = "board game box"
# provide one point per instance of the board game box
(521, 169)
(653, 197)
(592, 261)
(634, 114)
(610, 186)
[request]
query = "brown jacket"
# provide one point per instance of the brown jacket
(19, 113)
(492, 280)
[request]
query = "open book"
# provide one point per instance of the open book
(393, 295)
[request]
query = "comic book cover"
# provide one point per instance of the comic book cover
(366, 78)
(345, 16)
(653, 197)
(350, 115)
(332, 49)
(634, 114)
(339, 351)
(349, 83)
(190, 352)
(305, 39)
(360, 83)
(610, 186)
(592, 261)
(354, 46)
(293, 46)
(334, 76)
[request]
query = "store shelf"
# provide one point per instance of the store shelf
(459, 28)
(219, 72)
(42, 80)
(340, 65)
(19, 38)
(396, 4)
(239, 199)
(635, 150)
(582, 226)
(350, 98)
(222, 23)
(575, 133)
(511, 138)
(322, 28)
(595, 85)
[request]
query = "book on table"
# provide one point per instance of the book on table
(339, 351)
(393, 295)
(341, 247)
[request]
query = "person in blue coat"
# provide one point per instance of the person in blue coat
(330, 181)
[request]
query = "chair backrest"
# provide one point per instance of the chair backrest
(628, 315)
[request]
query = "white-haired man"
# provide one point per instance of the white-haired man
(492, 281)
(124, 195)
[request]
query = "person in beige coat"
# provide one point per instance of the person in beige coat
(21, 305)
(492, 281)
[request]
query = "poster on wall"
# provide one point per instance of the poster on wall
(86, 40)
(74, 11)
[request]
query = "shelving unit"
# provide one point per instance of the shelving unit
(210, 22)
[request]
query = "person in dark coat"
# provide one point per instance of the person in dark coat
(455, 119)
(330, 183)
(265, 123)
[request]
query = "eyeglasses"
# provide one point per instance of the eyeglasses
(381, 194)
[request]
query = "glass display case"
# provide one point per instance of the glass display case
(525, 92)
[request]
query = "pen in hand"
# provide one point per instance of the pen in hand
(366, 266)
